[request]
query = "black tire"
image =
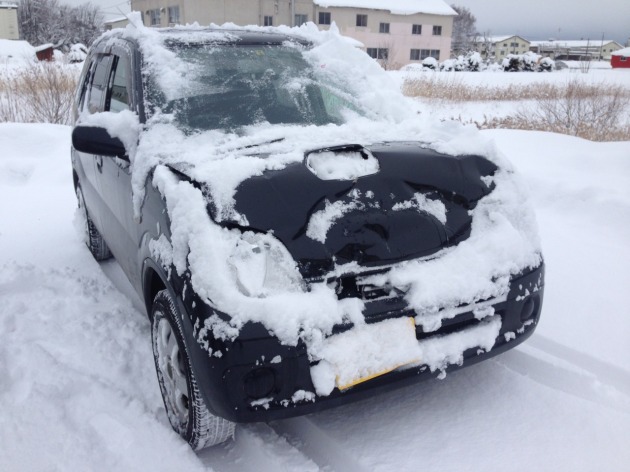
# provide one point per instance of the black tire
(187, 411)
(93, 239)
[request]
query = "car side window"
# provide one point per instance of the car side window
(99, 84)
(86, 77)
(118, 86)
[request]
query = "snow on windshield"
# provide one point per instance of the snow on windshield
(503, 240)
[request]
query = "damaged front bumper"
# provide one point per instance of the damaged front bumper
(255, 378)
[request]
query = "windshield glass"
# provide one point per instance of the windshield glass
(231, 86)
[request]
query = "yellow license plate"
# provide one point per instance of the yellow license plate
(374, 350)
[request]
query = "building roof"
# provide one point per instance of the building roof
(622, 52)
(498, 39)
(396, 7)
(116, 20)
(11, 5)
(581, 43)
(43, 47)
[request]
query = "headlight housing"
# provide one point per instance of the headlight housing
(262, 266)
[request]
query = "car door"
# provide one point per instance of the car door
(90, 100)
(114, 175)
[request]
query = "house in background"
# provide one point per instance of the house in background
(9, 20)
(620, 59)
(576, 50)
(396, 32)
(498, 48)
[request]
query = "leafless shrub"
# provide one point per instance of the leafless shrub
(39, 93)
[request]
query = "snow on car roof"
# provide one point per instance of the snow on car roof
(396, 7)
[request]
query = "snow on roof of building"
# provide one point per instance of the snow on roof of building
(116, 20)
(14, 49)
(11, 5)
(622, 52)
(580, 43)
(43, 47)
(396, 7)
(498, 39)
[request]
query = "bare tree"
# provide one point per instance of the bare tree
(48, 21)
(464, 30)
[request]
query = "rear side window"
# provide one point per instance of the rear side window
(99, 84)
(118, 88)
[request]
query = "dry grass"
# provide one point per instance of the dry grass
(598, 112)
(40, 93)
(455, 89)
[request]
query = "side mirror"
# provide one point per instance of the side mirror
(94, 140)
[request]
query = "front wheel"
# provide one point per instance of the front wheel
(186, 409)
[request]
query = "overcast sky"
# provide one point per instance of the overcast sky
(561, 19)
(532, 19)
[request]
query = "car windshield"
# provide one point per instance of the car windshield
(231, 86)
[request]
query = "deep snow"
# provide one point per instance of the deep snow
(78, 388)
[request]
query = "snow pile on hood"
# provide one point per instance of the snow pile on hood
(227, 265)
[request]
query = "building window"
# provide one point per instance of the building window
(324, 18)
(300, 19)
(504, 45)
(513, 45)
(361, 20)
(416, 29)
(383, 28)
(378, 53)
(424, 53)
(154, 17)
(414, 55)
(173, 15)
(437, 31)
(268, 20)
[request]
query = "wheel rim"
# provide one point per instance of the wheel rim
(172, 368)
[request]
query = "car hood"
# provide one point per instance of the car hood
(371, 219)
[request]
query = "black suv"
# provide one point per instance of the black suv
(212, 370)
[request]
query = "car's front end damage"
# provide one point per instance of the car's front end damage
(256, 378)
(407, 217)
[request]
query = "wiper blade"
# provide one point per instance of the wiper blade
(262, 144)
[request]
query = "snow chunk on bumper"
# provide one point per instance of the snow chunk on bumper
(368, 351)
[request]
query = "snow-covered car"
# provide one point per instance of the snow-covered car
(300, 235)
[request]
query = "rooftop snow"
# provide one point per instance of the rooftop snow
(497, 39)
(396, 7)
(580, 43)
(622, 52)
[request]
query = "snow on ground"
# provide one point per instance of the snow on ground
(78, 388)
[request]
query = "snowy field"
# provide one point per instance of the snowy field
(78, 388)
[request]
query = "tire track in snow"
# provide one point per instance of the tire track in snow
(257, 448)
(547, 369)
(604, 371)
(303, 434)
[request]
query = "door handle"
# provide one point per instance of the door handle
(99, 163)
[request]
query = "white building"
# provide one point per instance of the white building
(396, 32)
(498, 47)
(9, 20)
(576, 49)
